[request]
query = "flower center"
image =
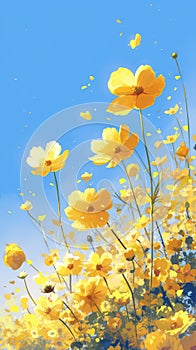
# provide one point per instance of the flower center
(174, 325)
(99, 267)
(117, 149)
(90, 208)
(70, 266)
(157, 272)
(48, 310)
(136, 90)
(48, 163)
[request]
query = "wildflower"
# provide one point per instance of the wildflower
(48, 159)
(98, 265)
(114, 147)
(22, 275)
(137, 91)
(26, 206)
(129, 254)
(114, 324)
(160, 340)
(172, 110)
(174, 245)
(48, 287)
(161, 271)
(175, 324)
(182, 151)
(159, 161)
(133, 170)
(170, 286)
(72, 265)
(186, 274)
(88, 209)
(90, 294)
(49, 308)
(52, 258)
(14, 256)
(171, 138)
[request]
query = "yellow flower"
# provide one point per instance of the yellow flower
(48, 160)
(86, 176)
(159, 161)
(137, 91)
(161, 341)
(182, 151)
(52, 258)
(49, 308)
(133, 170)
(88, 209)
(161, 271)
(14, 256)
(139, 193)
(189, 342)
(26, 206)
(90, 294)
(72, 265)
(136, 41)
(175, 324)
(98, 265)
(172, 110)
(171, 138)
(114, 324)
(114, 146)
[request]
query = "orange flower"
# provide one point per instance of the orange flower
(14, 256)
(186, 274)
(114, 146)
(88, 209)
(52, 258)
(161, 271)
(182, 151)
(90, 294)
(173, 245)
(160, 340)
(137, 91)
(114, 324)
(176, 324)
(98, 265)
(47, 160)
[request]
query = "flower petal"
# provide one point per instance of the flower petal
(122, 105)
(144, 101)
(120, 81)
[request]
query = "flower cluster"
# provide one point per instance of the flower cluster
(137, 291)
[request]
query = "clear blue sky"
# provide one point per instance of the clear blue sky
(49, 49)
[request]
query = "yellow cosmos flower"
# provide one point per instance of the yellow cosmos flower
(161, 341)
(72, 265)
(161, 271)
(88, 209)
(26, 206)
(14, 256)
(171, 138)
(172, 110)
(176, 324)
(98, 265)
(90, 294)
(114, 324)
(159, 161)
(137, 91)
(49, 308)
(52, 257)
(139, 193)
(114, 146)
(48, 159)
(182, 151)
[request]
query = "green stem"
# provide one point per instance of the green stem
(151, 192)
(69, 329)
(114, 233)
(29, 294)
(134, 306)
(71, 311)
(59, 210)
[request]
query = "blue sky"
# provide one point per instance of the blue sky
(49, 49)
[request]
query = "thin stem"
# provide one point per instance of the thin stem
(114, 233)
(161, 238)
(59, 210)
(186, 101)
(152, 200)
(69, 329)
(29, 294)
(134, 306)
(70, 283)
(35, 268)
(106, 282)
(71, 311)
(174, 155)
